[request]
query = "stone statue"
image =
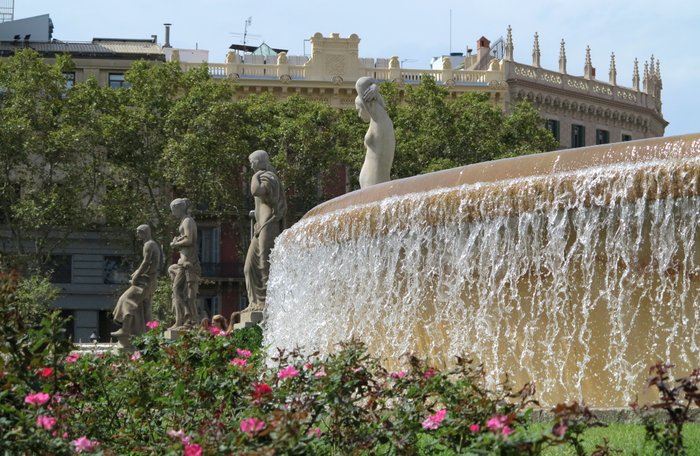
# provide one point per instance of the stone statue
(270, 209)
(379, 140)
(133, 309)
(186, 272)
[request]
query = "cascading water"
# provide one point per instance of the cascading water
(577, 269)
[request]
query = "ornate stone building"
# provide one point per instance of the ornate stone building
(580, 110)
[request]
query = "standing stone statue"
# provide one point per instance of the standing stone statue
(379, 139)
(270, 209)
(186, 272)
(133, 309)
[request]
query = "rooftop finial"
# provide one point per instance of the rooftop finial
(588, 68)
(635, 75)
(613, 71)
(562, 57)
(536, 51)
(509, 44)
(645, 81)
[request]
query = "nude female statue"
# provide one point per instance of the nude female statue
(186, 272)
(379, 140)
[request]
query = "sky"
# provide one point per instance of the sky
(417, 30)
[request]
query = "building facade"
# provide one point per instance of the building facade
(579, 110)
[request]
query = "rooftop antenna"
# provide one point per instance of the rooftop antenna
(245, 35)
(7, 10)
(245, 29)
(450, 31)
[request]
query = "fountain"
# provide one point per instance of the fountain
(577, 269)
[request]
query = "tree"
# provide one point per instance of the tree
(434, 132)
(49, 178)
(135, 135)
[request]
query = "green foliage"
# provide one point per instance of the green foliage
(33, 297)
(48, 182)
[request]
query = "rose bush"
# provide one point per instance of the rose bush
(207, 393)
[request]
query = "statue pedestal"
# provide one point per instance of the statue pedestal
(172, 334)
(124, 344)
(249, 319)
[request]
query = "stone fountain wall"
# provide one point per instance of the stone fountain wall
(577, 269)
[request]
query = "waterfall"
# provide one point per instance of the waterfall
(578, 278)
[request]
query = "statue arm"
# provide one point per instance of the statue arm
(149, 256)
(260, 184)
(189, 229)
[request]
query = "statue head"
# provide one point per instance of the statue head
(260, 160)
(143, 233)
(180, 207)
(367, 93)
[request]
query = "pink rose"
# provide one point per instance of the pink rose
(243, 353)
(84, 444)
(136, 356)
(252, 425)
(288, 372)
(46, 422)
(430, 373)
(73, 357)
(506, 431)
(37, 398)
(474, 428)
(398, 375)
(433, 421)
(321, 372)
(193, 450)
(497, 422)
(239, 362)
(152, 324)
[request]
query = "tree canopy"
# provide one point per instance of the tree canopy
(96, 158)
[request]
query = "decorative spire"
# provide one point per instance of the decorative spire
(613, 71)
(588, 68)
(651, 67)
(645, 81)
(562, 57)
(536, 52)
(635, 75)
(659, 86)
(509, 45)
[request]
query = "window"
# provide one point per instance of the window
(116, 270)
(578, 136)
(117, 81)
(70, 79)
(553, 126)
(626, 137)
(61, 268)
(211, 305)
(602, 137)
(208, 239)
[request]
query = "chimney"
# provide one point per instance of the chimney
(482, 53)
(167, 36)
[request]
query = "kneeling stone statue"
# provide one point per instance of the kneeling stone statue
(133, 308)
